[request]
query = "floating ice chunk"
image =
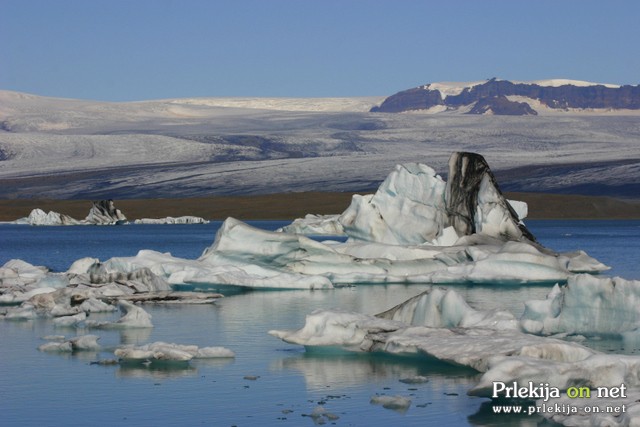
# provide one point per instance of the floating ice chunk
(171, 352)
(80, 343)
(320, 415)
(154, 352)
(396, 403)
(67, 321)
(61, 347)
(134, 317)
(586, 305)
(213, 352)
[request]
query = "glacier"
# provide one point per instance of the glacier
(98, 149)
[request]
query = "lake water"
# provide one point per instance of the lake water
(46, 389)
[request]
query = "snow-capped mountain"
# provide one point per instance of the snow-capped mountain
(64, 148)
(504, 97)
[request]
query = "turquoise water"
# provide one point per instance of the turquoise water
(46, 389)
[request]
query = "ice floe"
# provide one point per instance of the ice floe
(396, 403)
(161, 351)
(79, 343)
(187, 219)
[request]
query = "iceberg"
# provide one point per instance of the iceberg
(102, 212)
(416, 228)
(39, 217)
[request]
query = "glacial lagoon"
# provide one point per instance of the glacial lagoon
(269, 382)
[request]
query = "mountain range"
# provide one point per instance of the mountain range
(504, 97)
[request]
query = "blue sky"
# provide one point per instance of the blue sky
(119, 50)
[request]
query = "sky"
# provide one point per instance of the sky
(125, 50)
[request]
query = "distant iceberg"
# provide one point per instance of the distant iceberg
(102, 212)
(171, 220)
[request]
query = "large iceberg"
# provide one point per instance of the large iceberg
(416, 228)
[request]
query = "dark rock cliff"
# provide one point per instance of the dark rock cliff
(557, 97)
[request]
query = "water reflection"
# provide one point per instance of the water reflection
(156, 370)
(344, 370)
(135, 336)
